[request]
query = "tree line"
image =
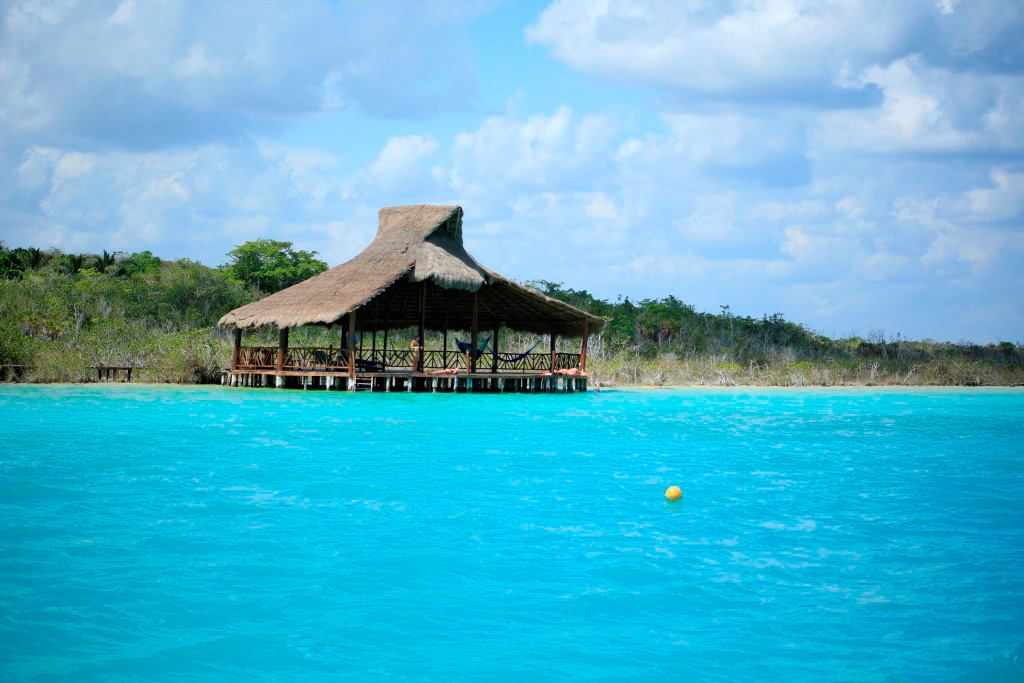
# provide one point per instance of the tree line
(67, 311)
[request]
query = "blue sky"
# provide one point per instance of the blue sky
(855, 165)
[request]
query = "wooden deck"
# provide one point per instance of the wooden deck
(393, 370)
(493, 383)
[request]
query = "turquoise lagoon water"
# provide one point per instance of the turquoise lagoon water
(212, 534)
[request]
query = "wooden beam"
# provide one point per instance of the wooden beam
(282, 348)
(475, 337)
(236, 349)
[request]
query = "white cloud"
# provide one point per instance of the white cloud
(602, 207)
(722, 47)
(146, 75)
(196, 202)
(929, 109)
(542, 151)
(72, 165)
(401, 159)
(1003, 201)
(779, 49)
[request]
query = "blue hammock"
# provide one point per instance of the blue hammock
(466, 348)
(509, 359)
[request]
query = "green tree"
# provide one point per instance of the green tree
(139, 262)
(269, 265)
(10, 264)
(74, 263)
(105, 261)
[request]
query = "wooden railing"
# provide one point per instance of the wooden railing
(257, 357)
(388, 360)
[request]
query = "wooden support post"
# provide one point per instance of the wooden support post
(475, 338)
(553, 338)
(236, 349)
(583, 348)
(352, 348)
(282, 348)
(421, 327)
(444, 335)
(494, 348)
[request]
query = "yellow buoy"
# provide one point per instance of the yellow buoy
(673, 493)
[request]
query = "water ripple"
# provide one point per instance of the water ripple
(205, 534)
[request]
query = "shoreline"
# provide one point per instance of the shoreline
(715, 387)
(594, 389)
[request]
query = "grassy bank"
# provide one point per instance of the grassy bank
(62, 314)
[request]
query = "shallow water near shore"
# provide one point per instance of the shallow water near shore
(165, 533)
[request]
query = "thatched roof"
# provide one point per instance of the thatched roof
(417, 253)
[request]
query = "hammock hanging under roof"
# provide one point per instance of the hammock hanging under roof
(508, 359)
(466, 347)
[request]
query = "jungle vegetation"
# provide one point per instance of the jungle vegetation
(61, 314)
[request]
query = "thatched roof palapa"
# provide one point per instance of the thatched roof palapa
(418, 252)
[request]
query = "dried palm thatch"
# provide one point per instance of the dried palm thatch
(415, 266)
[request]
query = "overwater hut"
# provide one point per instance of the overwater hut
(415, 274)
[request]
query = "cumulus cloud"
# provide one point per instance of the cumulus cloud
(930, 109)
(400, 160)
(505, 153)
(148, 75)
(198, 202)
(1004, 201)
(776, 49)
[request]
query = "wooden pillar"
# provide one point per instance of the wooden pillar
(236, 349)
(583, 348)
(282, 348)
(373, 343)
(444, 335)
(494, 348)
(474, 338)
(351, 345)
(553, 338)
(421, 328)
